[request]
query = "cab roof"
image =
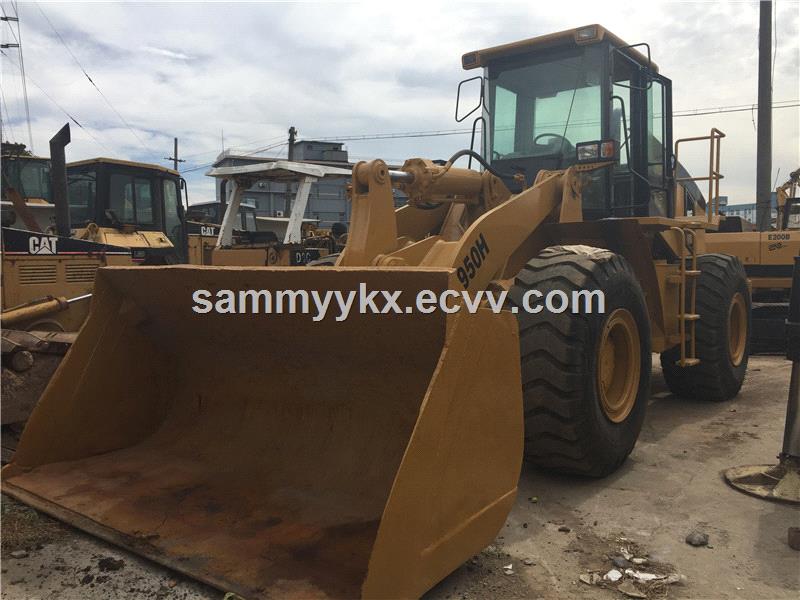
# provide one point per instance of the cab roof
(580, 36)
(12, 156)
(127, 163)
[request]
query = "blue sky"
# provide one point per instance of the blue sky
(195, 70)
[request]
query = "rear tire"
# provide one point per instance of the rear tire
(722, 347)
(573, 423)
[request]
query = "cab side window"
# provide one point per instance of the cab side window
(144, 202)
(131, 199)
(172, 218)
(81, 192)
(120, 199)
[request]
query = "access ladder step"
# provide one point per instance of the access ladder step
(689, 317)
(676, 279)
(688, 362)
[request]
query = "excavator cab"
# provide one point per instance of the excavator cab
(121, 197)
(790, 217)
(546, 97)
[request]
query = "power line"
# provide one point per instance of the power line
(18, 40)
(8, 21)
(278, 150)
(693, 112)
(447, 132)
(99, 91)
(22, 69)
(199, 167)
(391, 136)
(241, 146)
(62, 109)
(7, 119)
(748, 107)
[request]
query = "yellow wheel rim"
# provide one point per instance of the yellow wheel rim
(619, 365)
(737, 329)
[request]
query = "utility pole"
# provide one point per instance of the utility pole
(174, 158)
(764, 134)
(24, 79)
(292, 137)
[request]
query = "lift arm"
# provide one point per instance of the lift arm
(501, 222)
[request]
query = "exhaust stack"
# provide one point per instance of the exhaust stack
(58, 180)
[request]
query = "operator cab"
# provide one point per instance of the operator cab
(791, 215)
(128, 195)
(542, 98)
(29, 175)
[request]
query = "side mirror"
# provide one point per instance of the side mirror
(471, 94)
(647, 70)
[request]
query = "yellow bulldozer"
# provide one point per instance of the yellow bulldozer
(105, 212)
(55, 236)
(285, 455)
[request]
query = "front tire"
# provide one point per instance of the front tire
(723, 334)
(585, 375)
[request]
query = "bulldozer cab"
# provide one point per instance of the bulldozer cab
(544, 98)
(25, 180)
(129, 196)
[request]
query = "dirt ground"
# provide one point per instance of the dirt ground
(560, 529)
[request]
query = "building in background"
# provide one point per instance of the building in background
(748, 211)
(327, 200)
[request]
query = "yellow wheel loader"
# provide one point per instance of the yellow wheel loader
(277, 454)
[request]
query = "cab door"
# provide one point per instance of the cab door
(174, 225)
(640, 119)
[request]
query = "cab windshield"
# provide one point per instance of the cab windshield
(28, 176)
(542, 106)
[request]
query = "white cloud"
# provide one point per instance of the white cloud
(168, 53)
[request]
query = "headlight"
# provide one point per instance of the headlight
(588, 152)
(600, 151)
(586, 34)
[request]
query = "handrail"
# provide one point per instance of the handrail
(714, 175)
(687, 358)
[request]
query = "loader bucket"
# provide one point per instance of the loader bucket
(275, 456)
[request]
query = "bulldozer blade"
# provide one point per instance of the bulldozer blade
(274, 456)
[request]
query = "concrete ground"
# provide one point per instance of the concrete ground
(560, 529)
